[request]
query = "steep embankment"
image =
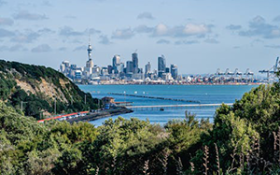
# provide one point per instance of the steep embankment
(36, 88)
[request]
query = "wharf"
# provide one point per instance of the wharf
(158, 98)
(175, 106)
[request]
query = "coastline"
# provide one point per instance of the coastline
(197, 84)
(102, 114)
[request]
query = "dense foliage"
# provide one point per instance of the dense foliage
(244, 139)
(36, 104)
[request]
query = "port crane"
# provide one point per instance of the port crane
(235, 76)
(249, 73)
(272, 70)
(238, 74)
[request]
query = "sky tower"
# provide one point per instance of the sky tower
(89, 50)
(89, 64)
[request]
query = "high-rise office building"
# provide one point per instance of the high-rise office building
(129, 67)
(167, 70)
(148, 68)
(174, 71)
(110, 69)
(135, 63)
(119, 68)
(161, 65)
(115, 62)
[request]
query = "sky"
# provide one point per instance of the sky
(199, 36)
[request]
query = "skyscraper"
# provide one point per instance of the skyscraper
(135, 63)
(129, 67)
(161, 65)
(174, 71)
(148, 68)
(115, 62)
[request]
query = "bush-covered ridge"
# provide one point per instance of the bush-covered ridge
(32, 84)
(244, 139)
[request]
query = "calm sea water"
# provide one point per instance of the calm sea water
(206, 94)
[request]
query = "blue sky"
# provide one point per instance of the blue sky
(197, 35)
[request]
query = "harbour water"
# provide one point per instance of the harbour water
(206, 94)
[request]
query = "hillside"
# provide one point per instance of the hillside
(36, 88)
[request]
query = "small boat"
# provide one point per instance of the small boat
(161, 109)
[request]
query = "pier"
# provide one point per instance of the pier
(157, 107)
(158, 98)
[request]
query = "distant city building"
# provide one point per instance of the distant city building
(118, 66)
(65, 66)
(148, 68)
(161, 65)
(129, 67)
(119, 73)
(116, 60)
(174, 71)
(135, 63)
(78, 74)
(73, 66)
(167, 70)
(104, 71)
(110, 69)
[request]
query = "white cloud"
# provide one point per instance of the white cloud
(161, 29)
(163, 41)
(145, 15)
(25, 15)
(258, 27)
(192, 29)
(123, 34)
(42, 48)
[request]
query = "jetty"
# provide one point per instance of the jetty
(158, 107)
(153, 97)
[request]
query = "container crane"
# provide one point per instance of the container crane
(249, 73)
(272, 70)
(237, 73)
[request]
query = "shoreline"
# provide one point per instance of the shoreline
(176, 84)
(102, 114)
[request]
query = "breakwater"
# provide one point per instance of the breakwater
(153, 97)
(101, 114)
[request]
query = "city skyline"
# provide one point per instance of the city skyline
(46, 33)
(118, 72)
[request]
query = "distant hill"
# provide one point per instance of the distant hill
(36, 88)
